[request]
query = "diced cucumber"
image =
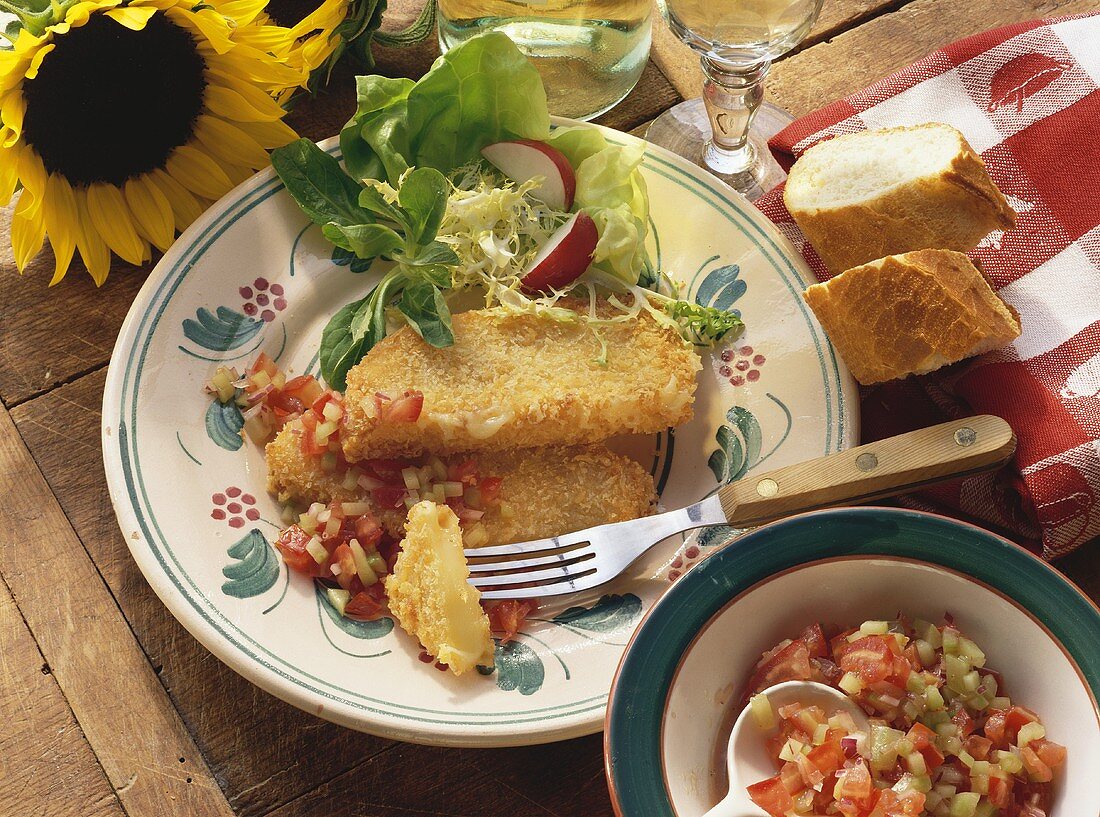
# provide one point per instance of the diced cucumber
(950, 640)
(926, 652)
(983, 767)
(377, 563)
(934, 701)
(791, 749)
(821, 733)
(874, 627)
(914, 761)
(950, 746)
(915, 683)
(957, 668)
(884, 746)
(947, 729)
(362, 564)
(355, 508)
(985, 809)
(978, 702)
(971, 681)
(966, 757)
(1029, 732)
(979, 783)
(317, 550)
(1010, 762)
(964, 804)
(929, 632)
(762, 713)
(1001, 702)
(938, 714)
(972, 652)
(850, 683)
(338, 598)
(989, 686)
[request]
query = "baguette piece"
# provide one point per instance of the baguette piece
(518, 382)
(911, 314)
(543, 492)
(867, 195)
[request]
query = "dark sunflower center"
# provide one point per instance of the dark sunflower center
(290, 12)
(110, 103)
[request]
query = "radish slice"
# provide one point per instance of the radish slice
(565, 255)
(524, 159)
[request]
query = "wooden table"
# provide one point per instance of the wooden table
(108, 706)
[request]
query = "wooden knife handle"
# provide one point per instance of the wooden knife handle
(891, 466)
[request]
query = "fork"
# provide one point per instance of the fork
(580, 561)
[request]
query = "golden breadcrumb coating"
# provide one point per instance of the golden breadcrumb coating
(544, 491)
(430, 595)
(520, 382)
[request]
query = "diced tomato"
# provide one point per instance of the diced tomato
(920, 735)
(386, 470)
(907, 804)
(772, 796)
(1000, 791)
(507, 617)
(854, 783)
(263, 363)
(1037, 770)
(310, 446)
(368, 530)
(490, 490)
(366, 605)
(285, 404)
(389, 497)
(1051, 753)
(814, 639)
(933, 757)
(961, 718)
(792, 663)
(292, 545)
(464, 472)
(404, 409)
(995, 727)
(342, 558)
(1016, 717)
(870, 658)
(978, 747)
(828, 757)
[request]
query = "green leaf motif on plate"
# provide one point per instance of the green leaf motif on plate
(220, 332)
(739, 440)
(223, 425)
(255, 570)
(721, 288)
(378, 628)
(612, 612)
(519, 668)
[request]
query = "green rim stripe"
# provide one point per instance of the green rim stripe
(633, 739)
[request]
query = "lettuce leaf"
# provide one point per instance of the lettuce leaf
(480, 92)
(611, 189)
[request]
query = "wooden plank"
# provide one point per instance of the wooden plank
(855, 59)
(139, 739)
(681, 64)
(44, 758)
(262, 751)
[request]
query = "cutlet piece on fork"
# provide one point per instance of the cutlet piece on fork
(588, 558)
(517, 382)
(543, 491)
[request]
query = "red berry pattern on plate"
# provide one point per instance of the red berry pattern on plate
(740, 366)
(679, 566)
(263, 299)
(233, 507)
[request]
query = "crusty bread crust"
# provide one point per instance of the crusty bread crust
(544, 491)
(520, 382)
(952, 210)
(911, 314)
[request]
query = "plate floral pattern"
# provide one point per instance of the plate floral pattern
(190, 493)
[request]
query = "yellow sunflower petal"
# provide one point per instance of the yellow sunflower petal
(198, 172)
(251, 103)
(243, 11)
(9, 176)
(36, 61)
(62, 223)
(32, 173)
(133, 17)
(185, 207)
(255, 65)
(152, 211)
(269, 134)
(28, 230)
(229, 143)
(212, 28)
(12, 111)
(112, 219)
(328, 15)
(274, 39)
(93, 249)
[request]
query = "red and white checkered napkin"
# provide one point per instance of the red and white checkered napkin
(1027, 97)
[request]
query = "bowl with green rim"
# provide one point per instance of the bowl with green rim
(677, 689)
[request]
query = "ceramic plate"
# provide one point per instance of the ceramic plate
(252, 274)
(675, 695)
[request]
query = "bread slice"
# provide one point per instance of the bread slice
(867, 195)
(911, 314)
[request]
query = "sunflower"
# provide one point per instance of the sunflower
(122, 120)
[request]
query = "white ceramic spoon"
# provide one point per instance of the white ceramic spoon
(747, 755)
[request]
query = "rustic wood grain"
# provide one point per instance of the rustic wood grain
(857, 58)
(681, 65)
(42, 750)
(131, 725)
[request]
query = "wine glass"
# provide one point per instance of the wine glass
(726, 132)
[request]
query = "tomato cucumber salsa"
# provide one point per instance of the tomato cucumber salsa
(945, 738)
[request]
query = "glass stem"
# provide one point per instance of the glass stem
(732, 93)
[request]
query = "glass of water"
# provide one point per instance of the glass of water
(590, 53)
(726, 132)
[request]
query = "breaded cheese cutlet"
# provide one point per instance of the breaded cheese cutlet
(543, 492)
(518, 382)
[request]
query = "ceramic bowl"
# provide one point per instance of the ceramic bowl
(682, 675)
